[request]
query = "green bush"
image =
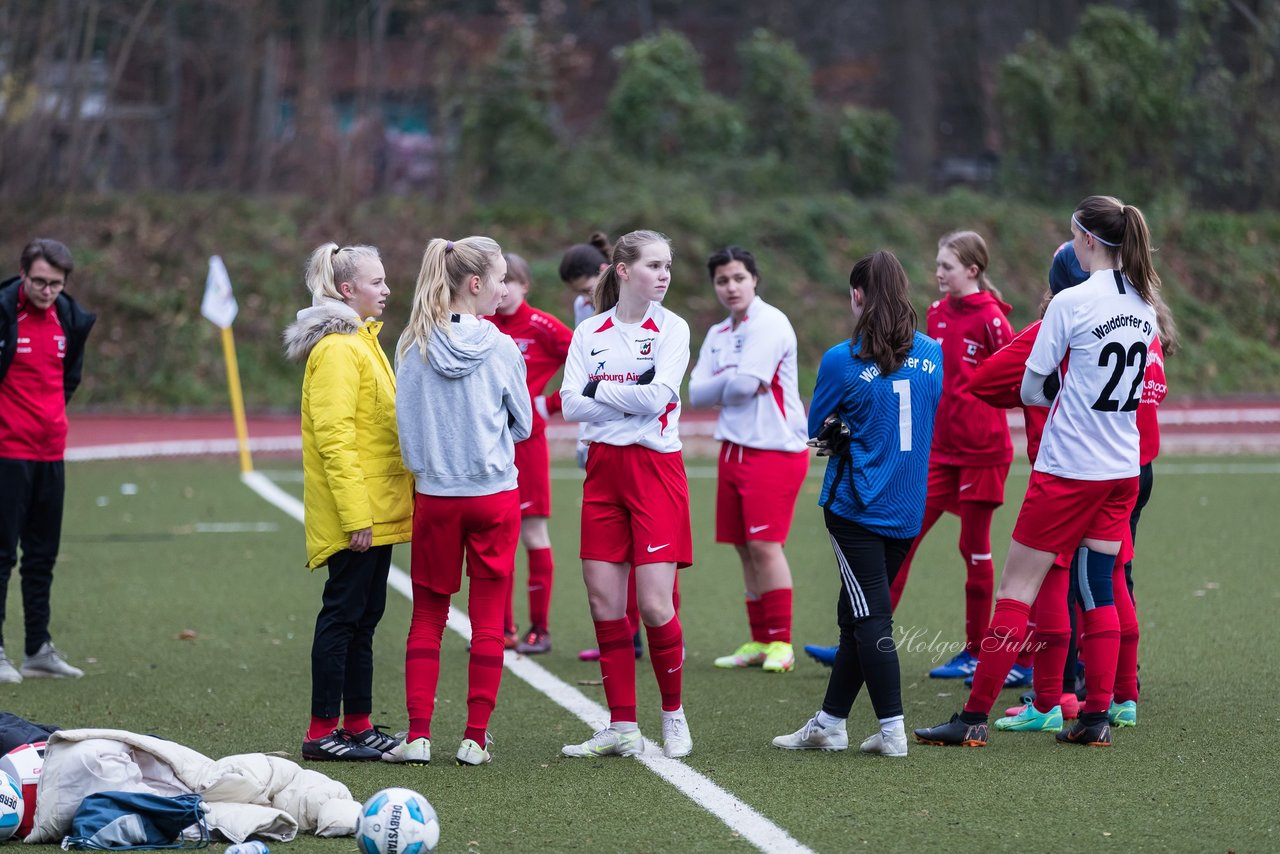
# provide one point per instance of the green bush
(865, 143)
(777, 99)
(507, 134)
(659, 108)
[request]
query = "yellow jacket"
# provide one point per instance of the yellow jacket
(353, 477)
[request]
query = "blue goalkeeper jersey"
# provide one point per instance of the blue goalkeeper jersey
(882, 483)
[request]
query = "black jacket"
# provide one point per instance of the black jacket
(76, 323)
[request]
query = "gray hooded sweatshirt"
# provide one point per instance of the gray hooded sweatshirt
(463, 409)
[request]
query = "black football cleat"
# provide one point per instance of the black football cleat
(954, 733)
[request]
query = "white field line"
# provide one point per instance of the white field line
(181, 448)
(737, 816)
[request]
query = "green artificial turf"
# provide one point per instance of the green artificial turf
(1197, 774)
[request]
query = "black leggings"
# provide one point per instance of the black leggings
(867, 654)
(342, 652)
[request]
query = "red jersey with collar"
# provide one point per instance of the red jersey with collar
(967, 431)
(33, 404)
(544, 342)
(998, 381)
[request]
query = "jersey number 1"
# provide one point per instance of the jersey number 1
(902, 388)
(1115, 352)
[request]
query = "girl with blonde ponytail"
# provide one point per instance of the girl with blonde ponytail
(462, 404)
(357, 493)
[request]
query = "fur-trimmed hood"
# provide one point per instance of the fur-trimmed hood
(314, 323)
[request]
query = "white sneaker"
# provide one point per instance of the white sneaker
(607, 742)
(470, 753)
(48, 663)
(893, 746)
(416, 752)
(814, 736)
(9, 674)
(676, 740)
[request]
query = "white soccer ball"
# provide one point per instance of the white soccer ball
(23, 764)
(397, 821)
(11, 806)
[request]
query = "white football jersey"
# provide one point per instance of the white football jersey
(763, 347)
(617, 354)
(1099, 333)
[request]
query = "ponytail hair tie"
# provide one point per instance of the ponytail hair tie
(336, 249)
(448, 246)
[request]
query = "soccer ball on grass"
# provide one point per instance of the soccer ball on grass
(397, 821)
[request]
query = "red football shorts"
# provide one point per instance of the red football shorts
(756, 493)
(635, 506)
(533, 461)
(1059, 512)
(485, 529)
(949, 485)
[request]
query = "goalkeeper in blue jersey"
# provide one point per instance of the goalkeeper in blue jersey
(872, 416)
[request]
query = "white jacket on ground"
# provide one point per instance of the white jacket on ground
(251, 794)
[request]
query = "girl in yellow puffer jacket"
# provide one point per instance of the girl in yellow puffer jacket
(357, 494)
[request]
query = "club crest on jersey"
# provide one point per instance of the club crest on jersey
(646, 346)
(523, 344)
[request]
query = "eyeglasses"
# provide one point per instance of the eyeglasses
(45, 284)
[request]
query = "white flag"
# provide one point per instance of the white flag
(219, 304)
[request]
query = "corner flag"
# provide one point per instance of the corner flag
(219, 306)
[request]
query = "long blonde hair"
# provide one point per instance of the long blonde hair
(331, 265)
(446, 267)
(971, 250)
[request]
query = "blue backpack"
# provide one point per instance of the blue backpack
(117, 821)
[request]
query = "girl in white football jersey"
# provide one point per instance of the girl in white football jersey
(622, 380)
(1085, 481)
(747, 367)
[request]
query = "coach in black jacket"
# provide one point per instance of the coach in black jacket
(42, 339)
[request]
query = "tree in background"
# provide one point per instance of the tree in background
(776, 97)
(660, 109)
(508, 134)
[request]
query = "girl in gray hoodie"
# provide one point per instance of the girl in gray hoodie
(462, 404)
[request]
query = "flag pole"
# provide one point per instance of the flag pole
(219, 307)
(237, 399)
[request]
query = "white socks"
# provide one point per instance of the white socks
(892, 728)
(827, 721)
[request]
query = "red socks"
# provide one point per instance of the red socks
(422, 658)
(999, 649)
(980, 571)
(357, 723)
(320, 727)
(1053, 634)
(1100, 651)
(1127, 663)
(542, 570)
(666, 653)
(618, 668)
(486, 598)
(755, 619)
(777, 615)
